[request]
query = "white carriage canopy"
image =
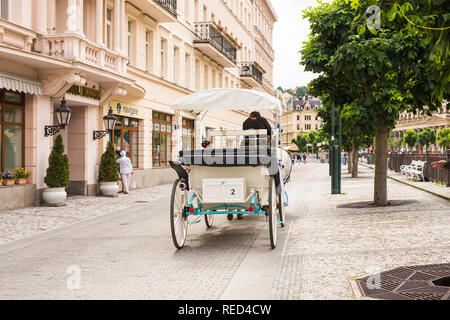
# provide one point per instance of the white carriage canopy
(229, 99)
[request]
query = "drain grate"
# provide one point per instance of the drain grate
(428, 282)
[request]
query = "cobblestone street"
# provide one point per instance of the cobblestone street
(123, 248)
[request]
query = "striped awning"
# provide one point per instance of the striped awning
(14, 83)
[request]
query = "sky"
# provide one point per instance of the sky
(290, 31)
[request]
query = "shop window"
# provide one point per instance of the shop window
(188, 134)
(126, 137)
(162, 139)
(12, 105)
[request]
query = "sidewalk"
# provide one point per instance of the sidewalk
(329, 243)
(427, 186)
(21, 223)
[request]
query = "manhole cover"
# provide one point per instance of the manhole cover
(427, 282)
(370, 204)
(444, 282)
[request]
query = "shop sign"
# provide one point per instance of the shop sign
(127, 110)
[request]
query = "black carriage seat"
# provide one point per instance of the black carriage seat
(230, 157)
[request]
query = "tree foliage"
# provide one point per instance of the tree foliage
(426, 138)
(302, 140)
(410, 138)
(443, 138)
(58, 166)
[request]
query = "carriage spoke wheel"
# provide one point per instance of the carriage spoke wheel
(272, 211)
(209, 220)
(178, 220)
(280, 208)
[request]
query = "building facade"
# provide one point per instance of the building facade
(137, 57)
(419, 122)
(299, 117)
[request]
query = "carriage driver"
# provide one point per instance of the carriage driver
(254, 122)
(257, 122)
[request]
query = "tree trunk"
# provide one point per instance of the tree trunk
(355, 162)
(349, 164)
(380, 183)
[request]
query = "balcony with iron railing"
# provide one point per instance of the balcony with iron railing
(251, 74)
(169, 5)
(210, 41)
(159, 10)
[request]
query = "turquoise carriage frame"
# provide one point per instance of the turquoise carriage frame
(257, 210)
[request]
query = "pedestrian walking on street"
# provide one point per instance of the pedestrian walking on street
(304, 158)
(299, 158)
(117, 158)
(126, 170)
(345, 158)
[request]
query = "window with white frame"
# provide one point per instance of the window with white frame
(187, 73)
(130, 39)
(176, 69)
(163, 58)
(186, 10)
(149, 50)
(109, 28)
(4, 9)
(197, 75)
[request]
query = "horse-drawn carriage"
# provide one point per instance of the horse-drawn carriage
(236, 172)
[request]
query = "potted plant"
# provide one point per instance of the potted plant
(108, 173)
(8, 178)
(21, 176)
(57, 178)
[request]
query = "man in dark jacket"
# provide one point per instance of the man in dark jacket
(256, 122)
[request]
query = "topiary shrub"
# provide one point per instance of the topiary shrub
(58, 166)
(109, 169)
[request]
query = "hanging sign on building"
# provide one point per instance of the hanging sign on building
(127, 110)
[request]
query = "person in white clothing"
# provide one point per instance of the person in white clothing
(126, 170)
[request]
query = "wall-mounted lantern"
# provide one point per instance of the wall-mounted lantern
(109, 122)
(63, 115)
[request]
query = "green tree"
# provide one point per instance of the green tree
(300, 92)
(443, 138)
(301, 141)
(109, 169)
(410, 138)
(394, 143)
(426, 138)
(386, 71)
(58, 166)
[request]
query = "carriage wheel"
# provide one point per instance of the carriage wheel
(280, 208)
(178, 220)
(209, 220)
(272, 211)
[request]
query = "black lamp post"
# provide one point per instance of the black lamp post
(63, 114)
(110, 122)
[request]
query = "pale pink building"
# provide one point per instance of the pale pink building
(137, 57)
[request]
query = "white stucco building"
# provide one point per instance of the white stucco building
(137, 57)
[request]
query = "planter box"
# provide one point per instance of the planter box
(21, 181)
(8, 182)
(17, 196)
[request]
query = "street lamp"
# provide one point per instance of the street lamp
(63, 114)
(109, 122)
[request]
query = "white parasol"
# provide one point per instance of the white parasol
(229, 99)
